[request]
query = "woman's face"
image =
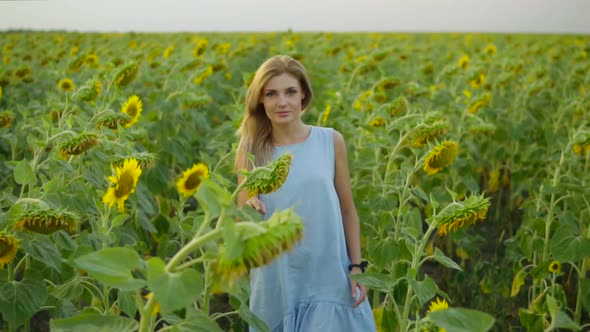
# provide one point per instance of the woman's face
(282, 97)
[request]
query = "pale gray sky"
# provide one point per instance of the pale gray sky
(537, 16)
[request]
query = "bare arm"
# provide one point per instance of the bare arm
(349, 215)
(242, 163)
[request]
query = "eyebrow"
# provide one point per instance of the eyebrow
(289, 88)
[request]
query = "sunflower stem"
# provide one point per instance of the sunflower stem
(194, 244)
(415, 264)
(146, 315)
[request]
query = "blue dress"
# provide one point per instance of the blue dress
(307, 289)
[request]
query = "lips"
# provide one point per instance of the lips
(283, 113)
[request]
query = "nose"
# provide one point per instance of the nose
(282, 100)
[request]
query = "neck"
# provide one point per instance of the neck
(290, 134)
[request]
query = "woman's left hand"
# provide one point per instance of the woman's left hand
(357, 287)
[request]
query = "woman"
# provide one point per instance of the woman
(307, 289)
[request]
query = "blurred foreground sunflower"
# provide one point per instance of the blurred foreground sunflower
(268, 179)
(262, 243)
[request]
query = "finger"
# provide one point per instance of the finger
(361, 298)
(262, 207)
(353, 286)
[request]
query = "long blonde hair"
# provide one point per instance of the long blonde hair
(256, 128)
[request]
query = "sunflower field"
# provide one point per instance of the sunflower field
(469, 157)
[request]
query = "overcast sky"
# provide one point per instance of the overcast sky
(537, 16)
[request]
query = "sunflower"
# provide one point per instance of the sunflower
(113, 120)
(438, 304)
(22, 73)
(46, 222)
(428, 132)
(387, 84)
(478, 81)
(265, 180)
(91, 90)
(494, 181)
(191, 179)
(133, 108)
(461, 214)
(123, 184)
(66, 85)
(91, 59)
(6, 119)
(398, 107)
(8, 248)
(262, 243)
(464, 62)
(77, 145)
(555, 267)
(126, 75)
(490, 49)
(203, 75)
(144, 159)
(168, 51)
(441, 156)
(377, 122)
(200, 48)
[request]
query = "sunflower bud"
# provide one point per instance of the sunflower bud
(8, 248)
(441, 156)
(126, 75)
(462, 214)
(6, 118)
(263, 242)
(265, 180)
(46, 222)
(77, 145)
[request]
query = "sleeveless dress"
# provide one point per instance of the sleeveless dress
(307, 289)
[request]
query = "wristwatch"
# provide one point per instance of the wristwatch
(362, 266)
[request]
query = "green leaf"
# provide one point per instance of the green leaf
(213, 198)
(90, 322)
(252, 319)
(440, 257)
(19, 301)
(462, 320)
(424, 289)
(40, 247)
(376, 281)
(127, 303)
(567, 245)
(24, 174)
(559, 319)
(196, 321)
(530, 320)
(517, 282)
(113, 266)
(173, 290)
(384, 251)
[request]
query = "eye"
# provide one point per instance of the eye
(269, 93)
(291, 92)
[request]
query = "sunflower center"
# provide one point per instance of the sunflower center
(66, 85)
(125, 185)
(4, 248)
(132, 109)
(193, 181)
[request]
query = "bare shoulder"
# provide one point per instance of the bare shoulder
(339, 141)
